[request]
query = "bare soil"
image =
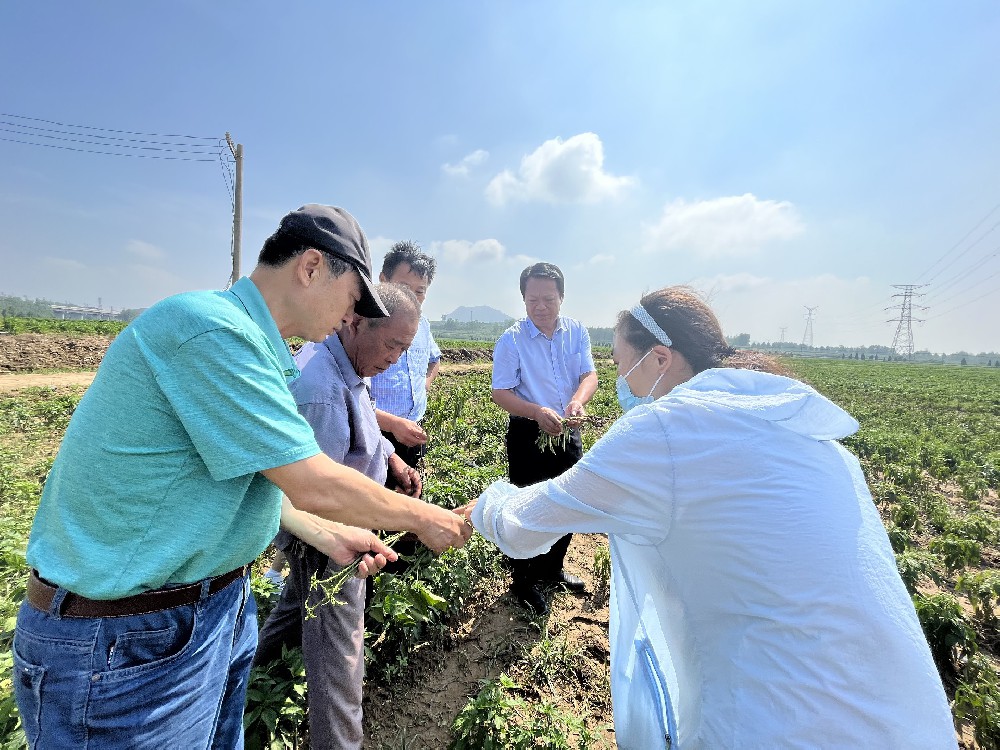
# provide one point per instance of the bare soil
(33, 352)
(30, 360)
(494, 637)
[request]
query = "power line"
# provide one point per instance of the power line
(227, 177)
(208, 141)
(962, 254)
(969, 288)
(105, 153)
(109, 130)
(957, 244)
(222, 150)
(197, 150)
(964, 304)
(962, 275)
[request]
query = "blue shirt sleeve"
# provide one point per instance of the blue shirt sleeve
(435, 352)
(506, 363)
(230, 395)
(331, 423)
(587, 356)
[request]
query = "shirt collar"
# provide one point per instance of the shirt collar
(253, 302)
(336, 347)
(533, 329)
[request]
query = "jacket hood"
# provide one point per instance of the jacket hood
(783, 401)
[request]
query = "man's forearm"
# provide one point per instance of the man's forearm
(511, 403)
(432, 371)
(320, 486)
(587, 388)
(384, 419)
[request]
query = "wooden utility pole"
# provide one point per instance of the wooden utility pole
(237, 150)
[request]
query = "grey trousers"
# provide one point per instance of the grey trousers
(333, 647)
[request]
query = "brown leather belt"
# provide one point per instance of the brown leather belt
(41, 593)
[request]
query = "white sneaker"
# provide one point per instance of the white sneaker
(275, 578)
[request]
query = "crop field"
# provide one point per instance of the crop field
(64, 327)
(451, 662)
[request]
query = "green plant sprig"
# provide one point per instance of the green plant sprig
(547, 442)
(331, 586)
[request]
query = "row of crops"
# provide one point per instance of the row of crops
(929, 444)
(66, 327)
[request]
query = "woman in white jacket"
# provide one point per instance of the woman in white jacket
(755, 601)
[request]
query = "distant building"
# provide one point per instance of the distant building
(67, 312)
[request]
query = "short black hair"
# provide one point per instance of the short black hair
(281, 247)
(544, 271)
(408, 251)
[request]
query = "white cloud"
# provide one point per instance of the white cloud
(558, 171)
(463, 251)
(722, 227)
(463, 168)
(144, 250)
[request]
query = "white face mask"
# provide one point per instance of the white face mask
(628, 400)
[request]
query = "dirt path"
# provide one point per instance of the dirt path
(15, 381)
(461, 368)
(23, 355)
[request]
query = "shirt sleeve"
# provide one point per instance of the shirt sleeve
(586, 355)
(622, 486)
(435, 352)
(331, 424)
(506, 363)
(387, 447)
(230, 394)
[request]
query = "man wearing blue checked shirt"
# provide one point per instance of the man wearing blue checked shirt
(400, 392)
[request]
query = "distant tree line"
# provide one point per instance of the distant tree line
(875, 352)
(22, 307)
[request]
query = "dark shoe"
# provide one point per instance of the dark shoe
(570, 582)
(532, 598)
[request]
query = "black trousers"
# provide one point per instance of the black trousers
(528, 464)
(411, 455)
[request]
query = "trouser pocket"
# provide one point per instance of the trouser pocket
(28, 680)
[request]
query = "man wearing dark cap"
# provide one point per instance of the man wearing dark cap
(171, 476)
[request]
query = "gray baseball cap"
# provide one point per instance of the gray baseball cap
(333, 231)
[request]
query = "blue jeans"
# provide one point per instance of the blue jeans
(174, 678)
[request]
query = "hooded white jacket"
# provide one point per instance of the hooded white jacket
(755, 601)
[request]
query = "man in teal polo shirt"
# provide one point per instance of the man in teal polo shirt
(139, 625)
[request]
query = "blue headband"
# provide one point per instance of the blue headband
(639, 313)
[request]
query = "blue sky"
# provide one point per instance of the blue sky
(772, 154)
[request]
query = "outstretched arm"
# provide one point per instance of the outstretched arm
(322, 487)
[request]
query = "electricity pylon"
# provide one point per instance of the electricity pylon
(807, 335)
(902, 342)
